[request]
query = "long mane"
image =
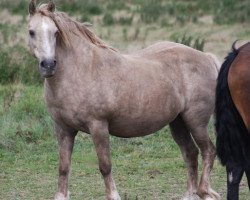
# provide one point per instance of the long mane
(68, 26)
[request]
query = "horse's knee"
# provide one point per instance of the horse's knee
(234, 173)
(63, 170)
(192, 154)
(234, 178)
(212, 150)
(209, 152)
(105, 168)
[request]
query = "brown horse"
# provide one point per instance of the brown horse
(233, 117)
(93, 88)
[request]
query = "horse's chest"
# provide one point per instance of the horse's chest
(76, 112)
(71, 114)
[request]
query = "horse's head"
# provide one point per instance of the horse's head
(43, 34)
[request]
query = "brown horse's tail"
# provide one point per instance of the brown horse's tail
(232, 139)
(215, 61)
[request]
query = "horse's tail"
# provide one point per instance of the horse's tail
(230, 128)
(215, 61)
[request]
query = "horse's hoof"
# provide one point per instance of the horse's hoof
(210, 195)
(114, 196)
(213, 195)
(212, 198)
(191, 196)
(60, 196)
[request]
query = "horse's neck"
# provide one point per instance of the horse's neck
(80, 64)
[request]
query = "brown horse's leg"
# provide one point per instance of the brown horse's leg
(190, 153)
(247, 171)
(100, 136)
(208, 153)
(65, 139)
(234, 176)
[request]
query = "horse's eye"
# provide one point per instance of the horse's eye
(32, 33)
(56, 33)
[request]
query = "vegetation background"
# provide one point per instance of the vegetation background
(144, 168)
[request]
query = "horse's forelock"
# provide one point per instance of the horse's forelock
(60, 24)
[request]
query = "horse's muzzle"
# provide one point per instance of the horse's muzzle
(47, 68)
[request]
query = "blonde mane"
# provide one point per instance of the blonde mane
(67, 26)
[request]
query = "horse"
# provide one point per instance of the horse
(233, 117)
(93, 88)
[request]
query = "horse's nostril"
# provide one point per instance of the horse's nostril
(42, 63)
(48, 64)
(54, 62)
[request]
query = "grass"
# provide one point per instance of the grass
(148, 167)
(17, 65)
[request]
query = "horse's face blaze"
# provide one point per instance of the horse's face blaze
(42, 42)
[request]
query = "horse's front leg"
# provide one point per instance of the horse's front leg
(65, 137)
(100, 136)
(234, 176)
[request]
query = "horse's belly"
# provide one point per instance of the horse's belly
(147, 115)
(135, 128)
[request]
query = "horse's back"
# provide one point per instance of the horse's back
(155, 48)
(171, 52)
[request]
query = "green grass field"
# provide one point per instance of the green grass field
(149, 167)
(144, 168)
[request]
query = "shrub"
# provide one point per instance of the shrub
(116, 5)
(230, 11)
(126, 20)
(92, 7)
(108, 19)
(196, 43)
(17, 65)
(151, 10)
(20, 7)
(8, 31)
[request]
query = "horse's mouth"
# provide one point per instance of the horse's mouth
(47, 73)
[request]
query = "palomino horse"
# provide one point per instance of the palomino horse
(93, 88)
(233, 117)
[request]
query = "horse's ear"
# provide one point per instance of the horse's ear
(32, 7)
(51, 6)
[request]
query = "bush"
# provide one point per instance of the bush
(116, 5)
(20, 7)
(230, 11)
(196, 43)
(8, 32)
(108, 19)
(17, 65)
(91, 7)
(126, 20)
(151, 10)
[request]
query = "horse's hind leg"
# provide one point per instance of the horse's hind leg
(234, 176)
(197, 124)
(247, 171)
(100, 137)
(65, 139)
(189, 152)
